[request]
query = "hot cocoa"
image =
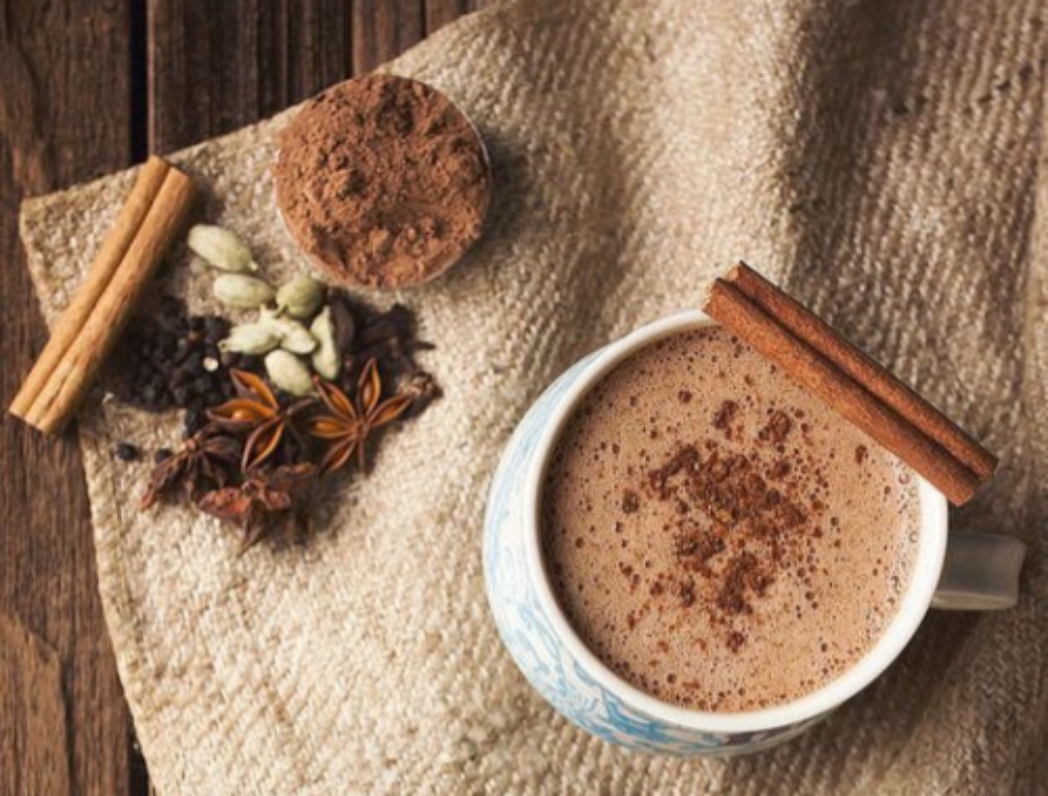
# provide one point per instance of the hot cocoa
(716, 535)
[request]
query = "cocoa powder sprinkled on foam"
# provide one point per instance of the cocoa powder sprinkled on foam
(732, 562)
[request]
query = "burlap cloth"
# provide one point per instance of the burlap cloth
(880, 159)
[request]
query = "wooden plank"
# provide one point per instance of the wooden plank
(440, 12)
(34, 712)
(214, 67)
(64, 117)
(382, 29)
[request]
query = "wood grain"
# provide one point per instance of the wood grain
(382, 29)
(439, 13)
(64, 117)
(34, 710)
(214, 67)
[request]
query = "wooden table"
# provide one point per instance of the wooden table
(88, 87)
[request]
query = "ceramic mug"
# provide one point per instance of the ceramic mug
(974, 572)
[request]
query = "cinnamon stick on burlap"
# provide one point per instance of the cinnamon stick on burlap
(147, 223)
(863, 392)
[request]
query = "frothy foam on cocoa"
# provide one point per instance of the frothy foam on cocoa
(719, 537)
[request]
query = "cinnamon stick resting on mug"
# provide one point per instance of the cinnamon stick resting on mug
(125, 264)
(839, 373)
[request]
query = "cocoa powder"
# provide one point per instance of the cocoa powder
(382, 181)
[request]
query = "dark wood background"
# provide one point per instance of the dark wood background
(88, 87)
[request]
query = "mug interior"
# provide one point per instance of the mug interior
(913, 606)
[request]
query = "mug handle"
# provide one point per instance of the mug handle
(981, 572)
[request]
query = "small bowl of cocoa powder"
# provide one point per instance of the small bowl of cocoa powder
(382, 182)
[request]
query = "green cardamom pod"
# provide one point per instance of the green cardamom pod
(245, 292)
(300, 297)
(327, 359)
(250, 338)
(294, 336)
(221, 248)
(289, 373)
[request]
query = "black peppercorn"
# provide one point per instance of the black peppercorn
(165, 341)
(182, 350)
(126, 452)
(194, 363)
(215, 328)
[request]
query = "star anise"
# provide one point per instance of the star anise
(256, 412)
(270, 497)
(346, 425)
(205, 458)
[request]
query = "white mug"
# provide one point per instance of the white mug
(976, 571)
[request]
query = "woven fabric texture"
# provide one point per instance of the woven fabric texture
(879, 159)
